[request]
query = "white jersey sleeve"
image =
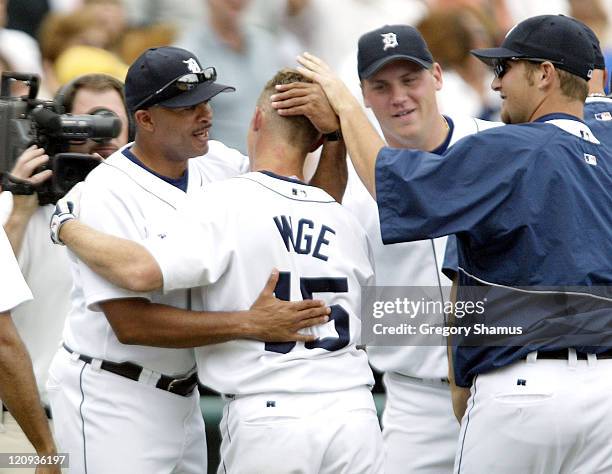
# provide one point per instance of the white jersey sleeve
(197, 251)
(14, 289)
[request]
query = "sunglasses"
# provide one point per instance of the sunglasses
(176, 86)
(500, 67)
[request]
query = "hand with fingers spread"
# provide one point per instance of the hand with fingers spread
(362, 141)
(27, 164)
(308, 99)
(317, 70)
(274, 320)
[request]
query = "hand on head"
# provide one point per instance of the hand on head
(308, 99)
(336, 91)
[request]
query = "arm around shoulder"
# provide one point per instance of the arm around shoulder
(123, 262)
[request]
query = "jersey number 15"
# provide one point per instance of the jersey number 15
(308, 286)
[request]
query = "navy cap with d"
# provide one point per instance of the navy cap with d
(157, 67)
(383, 45)
(556, 38)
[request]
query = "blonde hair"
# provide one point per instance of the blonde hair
(298, 129)
(572, 86)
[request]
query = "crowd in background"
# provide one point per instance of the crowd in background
(247, 40)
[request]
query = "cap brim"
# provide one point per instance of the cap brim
(200, 94)
(490, 55)
(376, 66)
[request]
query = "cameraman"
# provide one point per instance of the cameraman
(88, 94)
(44, 265)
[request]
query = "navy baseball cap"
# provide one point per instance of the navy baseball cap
(556, 38)
(150, 77)
(383, 45)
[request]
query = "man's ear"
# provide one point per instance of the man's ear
(143, 119)
(257, 119)
(436, 72)
(546, 74)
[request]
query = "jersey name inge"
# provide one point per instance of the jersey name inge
(299, 238)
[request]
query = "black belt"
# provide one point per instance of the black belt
(180, 386)
(563, 354)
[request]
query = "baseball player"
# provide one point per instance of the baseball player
(530, 205)
(598, 107)
(131, 369)
(17, 384)
(399, 80)
(290, 407)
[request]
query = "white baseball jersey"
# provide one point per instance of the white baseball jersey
(109, 423)
(419, 427)
(250, 225)
(14, 288)
(46, 269)
(406, 264)
(124, 199)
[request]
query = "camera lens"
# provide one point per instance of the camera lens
(107, 113)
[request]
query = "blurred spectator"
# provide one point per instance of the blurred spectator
(78, 60)
(498, 11)
(20, 50)
(594, 14)
(268, 14)
(112, 16)
(521, 9)
(330, 30)
(59, 32)
(27, 15)
(135, 41)
(18, 88)
(245, 57)
(65, 6)
(179, 14)
(451, 33)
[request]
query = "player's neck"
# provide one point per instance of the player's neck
(434, 135)
(597, 83)
(284, 161)
(153, 160)
(558, 104)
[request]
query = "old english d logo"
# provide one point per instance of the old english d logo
(389, 40)
(193, 65)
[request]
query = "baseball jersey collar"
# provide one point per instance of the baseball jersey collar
(439, 150)
(558, 116)
(284, 178)
(180, 183)
(570, 124)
